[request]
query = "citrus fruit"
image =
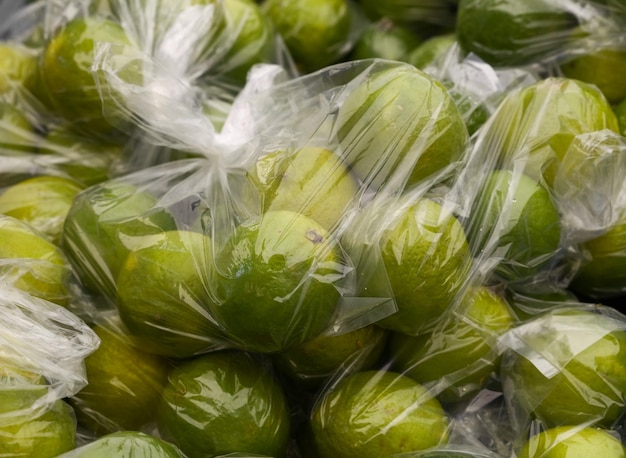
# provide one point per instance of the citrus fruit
(16, 131)
(385, 40)
(620, 114)
(461, 351)
(399, 126)
(164, 293)
(311, 181)
(431, 49)
(566, 367)
(572, 442)
(600, 68)
(42, 202)
(18, 67)
(224, 402)
(513, 33)
(515, 218)
(376, 414)
(427, 260)
(32, 263)
(66, 71)
(102, 226)
(538, 123)
(318, 359)
(126, 443)
(124, 385)
(416, 13)
(316, 32)
(44, 433)
(277, 282)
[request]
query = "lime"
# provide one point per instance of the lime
(385, 40)
(42, 202)
(32, 263)
(316, 32)
(278, 282)
(431, 49)
(318, 359)
(514, 33)
(602, 69)
(126, 443)
(538, 123)
(620, 114)
(66, 70)
(164, 293)
(461, 351)
(376, 414)
(567, 367)
(103, 224)
(399, 121)
(416, 13)
(224, 402)
(44, 434)
(311, 181)
(572, 442)
(18, 67)
(427, 260)
(124, 386)
(515, 218)
(16, 131)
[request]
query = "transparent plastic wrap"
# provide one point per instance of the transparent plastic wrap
(565, 367)
(126, 443)
(42, 349)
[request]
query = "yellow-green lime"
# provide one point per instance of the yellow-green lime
(224, 402)
(164, 294)
(461, 351)
(42, 202)
(18, 67)
(278, 282)
(16, 131)
(431, 49)
(126, 443)
(573, 442)
(124, 385)
(399, 126)
(376, 414)
(311, 181)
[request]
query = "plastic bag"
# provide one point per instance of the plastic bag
(128, 443)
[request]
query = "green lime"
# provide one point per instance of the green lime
(124, 385)
(316, 32)
(514, 33)
(277, 280)
(164, 293)
(427, 261)
(538, 123)
(16, 131)
(572, 442)
(461, 351)
(18, 67)
(224, 402)
(32, 263)
(385, 40)
(567, 367)
(376, 414)
(430, 50)
(126, 443)
(311, 181)
(318, 359)
(42, 202)
(602, 69)
(516, 219)
(103, 224)
(398, 127)
(66, 70)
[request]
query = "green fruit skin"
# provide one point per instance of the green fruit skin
(221, 403)
(385, 40)
(38, 436)
(461, 349)
(43, 270)
(401, 122)
(602, 69)
(374, 414)
(589, 388)
(414, 13)
(164, 294)
(620, 114)
(430, 50)
(102, 226)
(276, 282)
(572, 442)
(65, 68)
(18, 67)
(530, 235)
(15, 131)
(513, 33)
(124, 386)
(427, 260)
(126, 443)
